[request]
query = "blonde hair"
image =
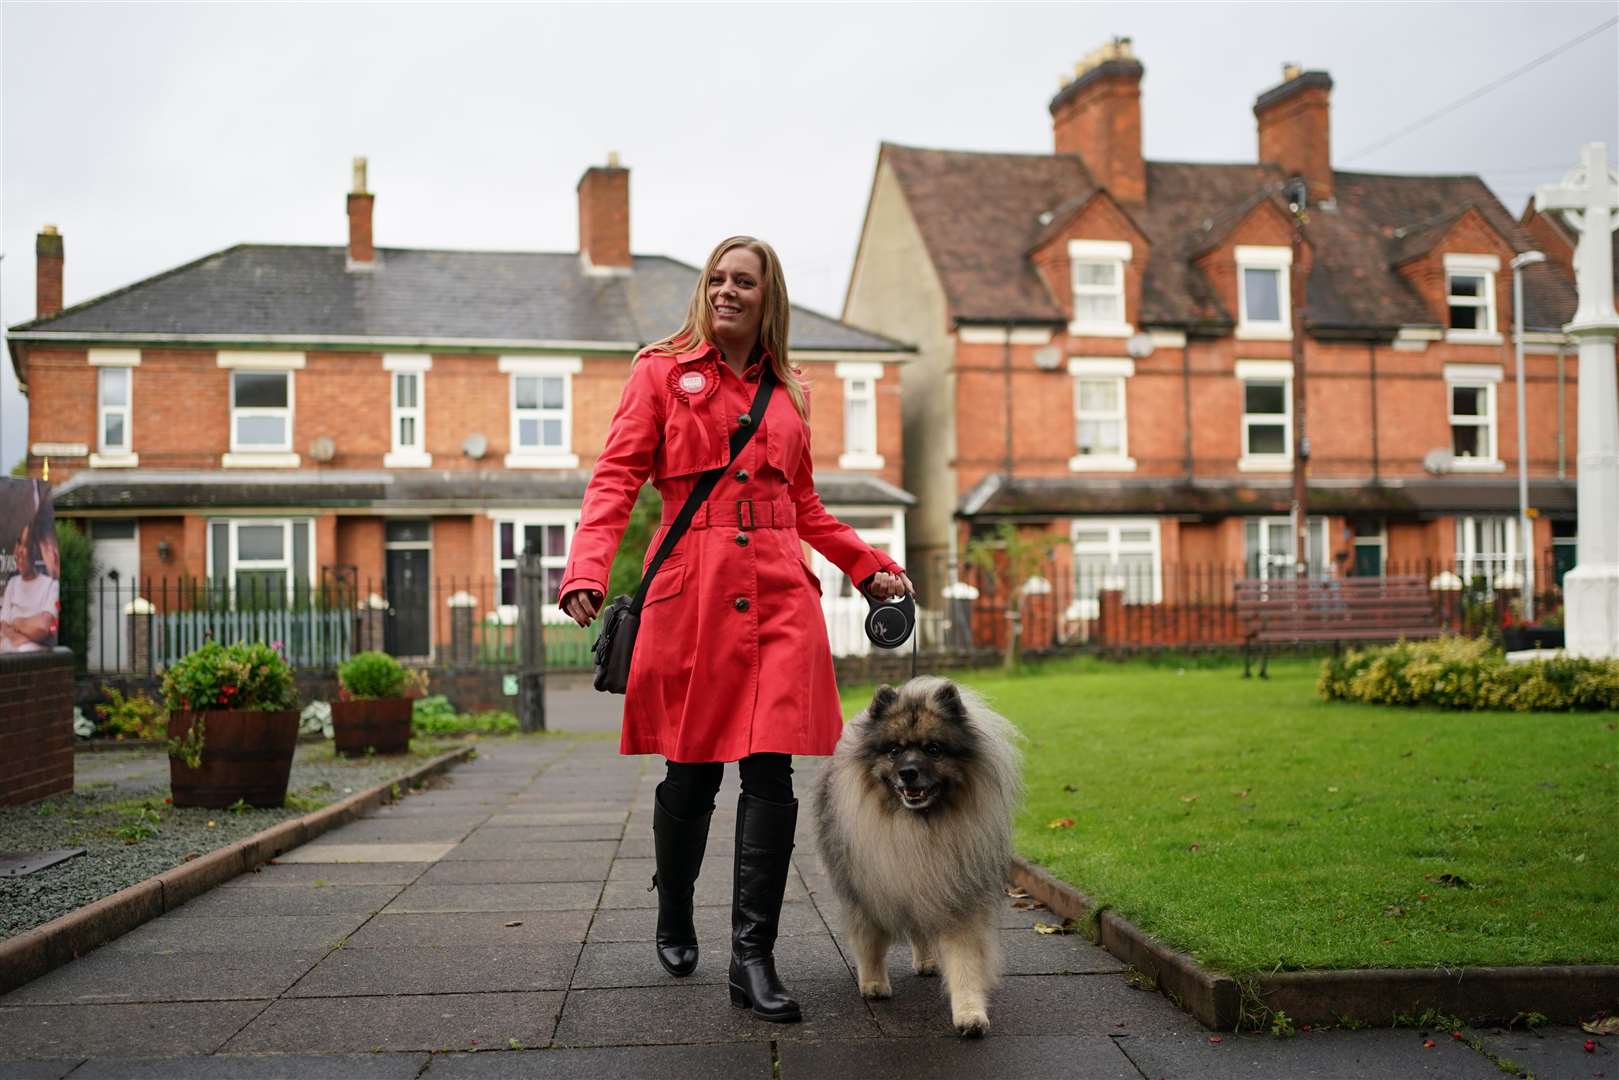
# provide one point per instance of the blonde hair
(697, 330)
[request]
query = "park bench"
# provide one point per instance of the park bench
(1301, 611)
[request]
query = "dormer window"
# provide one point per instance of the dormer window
(1470, 298)
(1097, 269)
(1264, 306)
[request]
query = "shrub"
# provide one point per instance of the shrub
(1468, 673)
(436, 716)
(134, 717)
(252, 677)
(78, 572)
(372, 675)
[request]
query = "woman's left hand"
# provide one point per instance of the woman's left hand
(886, 586)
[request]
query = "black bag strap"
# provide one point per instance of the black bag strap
(746, 426)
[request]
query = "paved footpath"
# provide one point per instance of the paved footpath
(499, 925)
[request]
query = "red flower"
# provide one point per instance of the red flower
(1590, 1046)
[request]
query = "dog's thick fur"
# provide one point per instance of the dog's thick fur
(914, 822)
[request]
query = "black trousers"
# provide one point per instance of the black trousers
(688, 789)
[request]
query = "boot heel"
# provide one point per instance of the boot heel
(739, 998)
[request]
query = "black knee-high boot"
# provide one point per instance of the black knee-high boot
(678, 844)
(764, 851)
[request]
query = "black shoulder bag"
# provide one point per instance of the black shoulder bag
(622, 619)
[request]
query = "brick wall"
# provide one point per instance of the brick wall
(36, 726)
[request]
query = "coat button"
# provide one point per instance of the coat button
(742, 476)
(741, 539)
(741, 603)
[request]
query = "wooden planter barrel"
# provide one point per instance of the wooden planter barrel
(246, 756)
(381, 725)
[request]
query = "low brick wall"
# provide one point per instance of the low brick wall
(36, 725)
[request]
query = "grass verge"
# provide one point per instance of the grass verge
(1260, 828)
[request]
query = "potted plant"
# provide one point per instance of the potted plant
(233, 725)
(372, 710)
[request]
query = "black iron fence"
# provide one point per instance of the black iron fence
(1056, 604)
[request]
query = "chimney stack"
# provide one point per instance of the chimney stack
(1097, 115)
(362, 254)
(1295, 128)
(47, 272)
(604, 218)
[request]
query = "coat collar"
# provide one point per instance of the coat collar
(709, 350)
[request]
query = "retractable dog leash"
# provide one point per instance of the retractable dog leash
(890, 622)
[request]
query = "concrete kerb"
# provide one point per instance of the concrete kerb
(33, 953)
(1563, 994)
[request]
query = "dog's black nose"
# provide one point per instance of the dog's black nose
(909, 775)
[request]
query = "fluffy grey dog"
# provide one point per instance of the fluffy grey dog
(914, 820)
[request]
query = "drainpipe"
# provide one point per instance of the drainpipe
(1562, 446)
(1006, 359)
(1186, 403)
(1371, 356)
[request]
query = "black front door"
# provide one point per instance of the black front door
(407, 632)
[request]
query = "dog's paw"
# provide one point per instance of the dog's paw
(876, 989)
(972, 1025)
(925, 966)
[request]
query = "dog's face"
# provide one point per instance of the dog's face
(918, 747)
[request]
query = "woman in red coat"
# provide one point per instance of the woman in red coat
(731, 662)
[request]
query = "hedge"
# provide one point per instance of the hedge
(1468, 673)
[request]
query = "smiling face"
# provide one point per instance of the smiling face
(918, 747)
(736, 295)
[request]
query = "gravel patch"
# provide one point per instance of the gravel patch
(125, 790)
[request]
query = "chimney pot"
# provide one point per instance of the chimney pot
(604, 217)
(1295, 128)
(362, 254)
(48, 259)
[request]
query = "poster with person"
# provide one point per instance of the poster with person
(30, 567)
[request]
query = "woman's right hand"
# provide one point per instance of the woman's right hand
(581, 605)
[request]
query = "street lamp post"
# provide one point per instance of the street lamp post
(1526, 528)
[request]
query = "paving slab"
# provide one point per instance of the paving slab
(1032, 1005)
(524, 850)
(701, 1013)
(259, 1067)
(53, 1069)
(640, 847)
(566, 817)
(1555, 1053)
(1094, 1057)
(1317, 1055)
(354, 971)
(214, 935)
(149, 1029)
(310, 899)
(421, 830)
(449, 930)
(640, 871)
(324, 851)
(107, 976)
(715, 1061)
(430, 1022)
(548, 896)
(278, 873)
(504, 839)
(518, 871)
(712, 890)
(635, 963)
(713, 924)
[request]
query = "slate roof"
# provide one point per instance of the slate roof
(430, 490)
(980, 214)
(1042, 497)
(470, 296)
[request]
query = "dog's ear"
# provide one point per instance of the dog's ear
(882, 701)
(948, 704)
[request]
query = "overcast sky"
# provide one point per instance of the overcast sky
(154, 134)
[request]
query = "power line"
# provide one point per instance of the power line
(1481, 91)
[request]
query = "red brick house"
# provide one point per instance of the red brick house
(1105, 350)
(268, 416)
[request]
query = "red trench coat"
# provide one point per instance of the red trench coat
(732, 656)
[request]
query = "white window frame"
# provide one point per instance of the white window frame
(1486, 267)
(261, 457)
(285, 563)
(1279, 259)
(1486, 377)
(1286, 560)
(1121, 370)
(1116, 252)
(1499, 570)
(1113, 548)
(109, 456)
(401, 455)
(853, 374)
(518, 519)
(1266, 371)
(565, 367)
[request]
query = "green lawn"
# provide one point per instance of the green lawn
(1261, 828)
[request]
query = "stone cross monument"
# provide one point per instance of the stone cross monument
(1589, 196)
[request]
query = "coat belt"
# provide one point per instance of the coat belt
(738, 514)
